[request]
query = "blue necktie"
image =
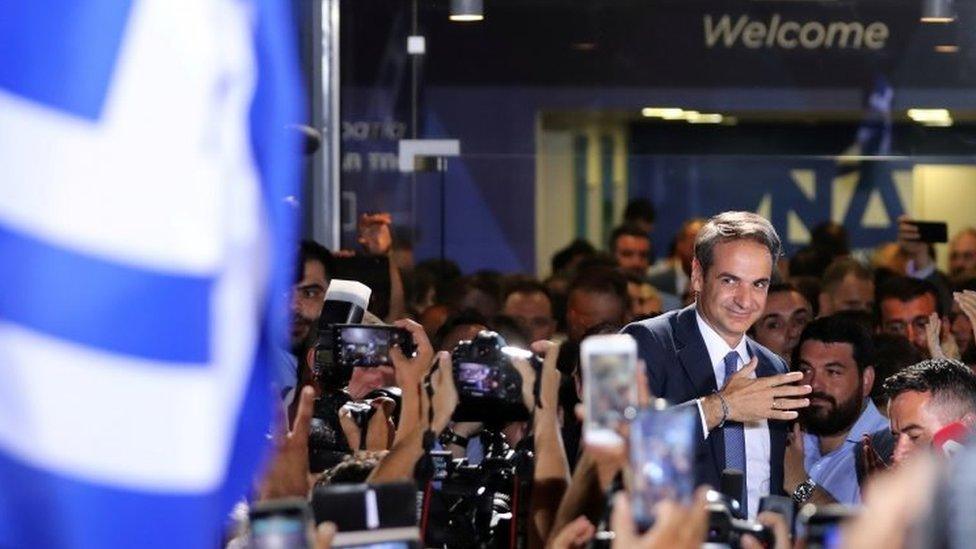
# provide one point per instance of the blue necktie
(735, 438)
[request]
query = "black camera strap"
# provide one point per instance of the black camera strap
(424, 470)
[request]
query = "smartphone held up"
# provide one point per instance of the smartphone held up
(609, 365)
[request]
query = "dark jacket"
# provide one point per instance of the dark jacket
(679, 370)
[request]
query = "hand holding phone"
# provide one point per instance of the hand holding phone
(912, 230)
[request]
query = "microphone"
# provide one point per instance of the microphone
(951, 439)
(732, 486)
(345, 303)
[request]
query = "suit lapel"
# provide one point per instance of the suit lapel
(692, 354)
(694, 359)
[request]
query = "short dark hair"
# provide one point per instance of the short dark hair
(839, 329)
(951, 383)
(830, 237)
(639, 209)
(892, 354)
(904, 288)
(837, 271)
(729, 226)
(601, 281)
(809, 261)
(461, 318)
(524, 285)
(627, 230)
(562, 258)
(310, 250)
(776, 287)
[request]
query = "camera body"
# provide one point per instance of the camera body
(488, 384)
(327, 444)
(725, 528)
(481, 505)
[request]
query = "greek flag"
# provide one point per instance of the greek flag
(144, 247)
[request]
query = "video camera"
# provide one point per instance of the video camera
(488, 384)
(482, 505)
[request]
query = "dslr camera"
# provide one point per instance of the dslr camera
(488, 384)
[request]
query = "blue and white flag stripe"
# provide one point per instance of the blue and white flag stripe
(98, 295)
(145, 246)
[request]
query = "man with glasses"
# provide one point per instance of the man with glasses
(904, 306)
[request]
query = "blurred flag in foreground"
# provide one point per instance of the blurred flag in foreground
(143, 163)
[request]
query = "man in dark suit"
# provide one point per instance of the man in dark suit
(700, 357)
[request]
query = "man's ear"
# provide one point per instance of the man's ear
(310, 358)
(697, 275)
(868, 384)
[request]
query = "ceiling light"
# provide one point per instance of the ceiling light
(937, 11)
(667, 113)
(947, 48)
(929, 115)
(466, 10)
(708, 118)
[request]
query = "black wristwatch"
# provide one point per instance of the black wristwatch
(804, 491)
(449, 437)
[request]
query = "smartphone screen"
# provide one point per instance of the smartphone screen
(662, 453)
(363, 346)
(609, 385)
(478, 380)
(279, 525)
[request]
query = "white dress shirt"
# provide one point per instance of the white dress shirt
(756, 433)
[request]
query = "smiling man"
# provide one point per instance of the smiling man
(690, 354)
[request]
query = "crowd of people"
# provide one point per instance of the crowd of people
(834, 376)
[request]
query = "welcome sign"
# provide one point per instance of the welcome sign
(784, 33)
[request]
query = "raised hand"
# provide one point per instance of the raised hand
(375, 234)
(967, 302)
(940, 347)
(772, 397)
(288, 474)
(410, 370)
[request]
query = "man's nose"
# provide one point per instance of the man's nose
(814, 381)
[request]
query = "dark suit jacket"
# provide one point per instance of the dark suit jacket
(680, 370)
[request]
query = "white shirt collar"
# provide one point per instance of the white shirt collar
(717, 347)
